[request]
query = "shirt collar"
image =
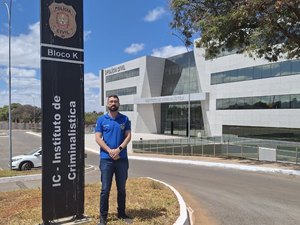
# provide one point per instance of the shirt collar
(107, 116)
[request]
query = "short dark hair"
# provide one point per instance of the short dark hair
(113, 96)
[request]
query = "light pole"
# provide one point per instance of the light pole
(8, 8)
(33, 112)
(189, 86)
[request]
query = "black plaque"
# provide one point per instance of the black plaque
(62, 109)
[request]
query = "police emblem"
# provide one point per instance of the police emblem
(122, 126)
(62, 20)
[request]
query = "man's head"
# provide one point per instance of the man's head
(113, 103)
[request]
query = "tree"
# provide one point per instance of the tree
(262, 28)
(4, 113)
(91, 117)
(21, 113)
(16, 112)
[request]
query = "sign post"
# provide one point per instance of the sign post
(62, 109)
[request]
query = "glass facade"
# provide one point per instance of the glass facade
(260, 102)
(178, 71)
(274, 133)
(126, 107)
(286, 68)
(122, 91)
(175, 118)
(122, 75)
(180, 77)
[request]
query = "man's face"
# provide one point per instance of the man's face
(113, 104)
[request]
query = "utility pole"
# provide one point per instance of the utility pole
(8, 8)
(33, 112)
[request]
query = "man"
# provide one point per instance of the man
(113, 133)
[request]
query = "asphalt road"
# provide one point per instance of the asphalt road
(221, 196)
(21, 143)
(229, 197)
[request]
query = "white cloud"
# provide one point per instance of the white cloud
(134, 48)
(91, 92)
(91, 80)
(87, 35)
(25, 48)
(155, 14)
(92, 102)
(25, 87)
(168, 51)
(25, 83)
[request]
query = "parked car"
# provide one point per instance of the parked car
(28, 161)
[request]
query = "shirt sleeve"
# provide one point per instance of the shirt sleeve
(128, 124)
(98, 127)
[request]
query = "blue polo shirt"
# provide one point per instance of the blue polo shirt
(113, 132)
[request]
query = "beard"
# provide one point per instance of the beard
(113, 108)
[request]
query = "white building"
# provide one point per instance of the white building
(232, 94)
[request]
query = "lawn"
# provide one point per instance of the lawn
(148, 202)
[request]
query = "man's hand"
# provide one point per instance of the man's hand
(114, 153)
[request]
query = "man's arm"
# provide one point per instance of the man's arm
(116, 152)
(127, 139)
(112, 153)
(101, 143)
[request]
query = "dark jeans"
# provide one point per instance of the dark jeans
(108, 168)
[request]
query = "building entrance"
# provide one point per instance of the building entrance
(175, 118)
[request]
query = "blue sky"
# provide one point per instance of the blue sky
(115, 31)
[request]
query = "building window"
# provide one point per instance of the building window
(126, 107)
(122, 91)
(122, 75)
(180, 75)
(273, 133)
(291, 67)
(174, 118)
(260, 102)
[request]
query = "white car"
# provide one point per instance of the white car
(28, 161)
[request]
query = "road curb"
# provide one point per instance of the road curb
(32, 176)
(250, 168)
(183, 218)
(20, 178)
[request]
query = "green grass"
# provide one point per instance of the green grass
(148, 203)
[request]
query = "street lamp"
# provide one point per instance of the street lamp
(189, 88)
(33, 112)
(8, 8)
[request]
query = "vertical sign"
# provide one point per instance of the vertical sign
(62, 109)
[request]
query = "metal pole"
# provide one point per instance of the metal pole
(189, 88)
(242, 150)
(227, 148)
(214, 147)
(201, 147)
(8, 8)
(33, 112)
(173, 151)
(296, 155)
(189, 100)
